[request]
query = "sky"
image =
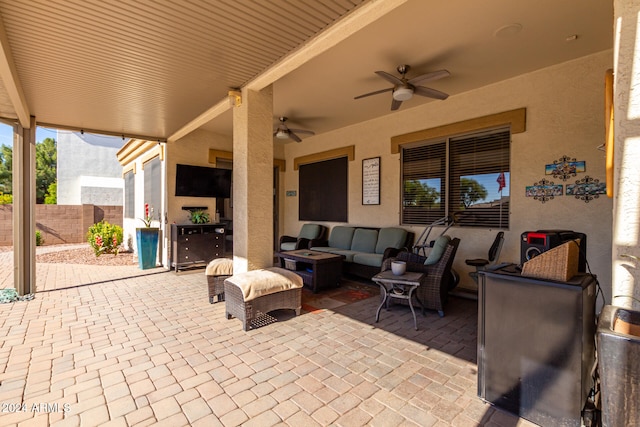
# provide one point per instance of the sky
(6, 134)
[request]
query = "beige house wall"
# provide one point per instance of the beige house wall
(565, 116)
(193, 149)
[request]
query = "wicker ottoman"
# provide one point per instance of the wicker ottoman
(251, 295)
(218, 270)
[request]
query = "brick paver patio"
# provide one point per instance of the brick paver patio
(93, 349)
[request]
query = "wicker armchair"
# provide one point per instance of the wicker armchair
(433, 291)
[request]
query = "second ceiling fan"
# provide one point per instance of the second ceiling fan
(282, 131)
(403, 88)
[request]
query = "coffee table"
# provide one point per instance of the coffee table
(398, 287)
(318, 270)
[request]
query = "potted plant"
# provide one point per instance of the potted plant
(147, 240)
(199, 216)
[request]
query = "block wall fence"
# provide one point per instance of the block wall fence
(61, 224)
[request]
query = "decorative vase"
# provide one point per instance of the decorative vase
(147, 243)
(398, 267)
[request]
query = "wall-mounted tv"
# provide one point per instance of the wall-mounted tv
(202, 181)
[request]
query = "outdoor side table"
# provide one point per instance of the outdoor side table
(398, 287)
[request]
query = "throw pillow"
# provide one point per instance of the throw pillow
(438, 249)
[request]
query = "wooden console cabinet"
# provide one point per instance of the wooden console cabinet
(196, 244)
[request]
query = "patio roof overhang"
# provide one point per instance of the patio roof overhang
(159, 70)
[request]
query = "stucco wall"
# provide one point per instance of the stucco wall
(626, 239)
(193, 149)
(565, 105)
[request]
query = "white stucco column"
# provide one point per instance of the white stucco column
(24, 204)
(253, 181)
(626, 222)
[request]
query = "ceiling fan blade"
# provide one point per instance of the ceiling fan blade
(435, 75)
(310, 132)
(395, 104)
(374, 93)
(293, 136)
(430, 93)
(389, 77)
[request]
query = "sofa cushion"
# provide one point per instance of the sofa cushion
(438, 249)
(373, 260)
(310, 231)
(288, 246)
(348, 255)
(341, 237)
(390, 237)
(364, 240)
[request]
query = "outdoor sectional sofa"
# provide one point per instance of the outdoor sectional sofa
(364, 248)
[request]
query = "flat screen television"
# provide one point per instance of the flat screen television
(202, 181)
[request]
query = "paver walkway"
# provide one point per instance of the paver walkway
(151, 350)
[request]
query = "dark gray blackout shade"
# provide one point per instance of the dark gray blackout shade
(323, 191)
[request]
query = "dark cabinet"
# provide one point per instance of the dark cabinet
(195, 245)
(536, 345)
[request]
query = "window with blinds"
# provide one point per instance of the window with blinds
(465, 176)
(129, 195)
(153, 186)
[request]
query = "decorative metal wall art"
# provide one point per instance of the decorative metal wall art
(587, 189)
(543, 190)
(565, 167)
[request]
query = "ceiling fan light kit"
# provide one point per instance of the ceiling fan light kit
(403, 94)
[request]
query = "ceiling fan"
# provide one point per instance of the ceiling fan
(403, 88)
(282, 131)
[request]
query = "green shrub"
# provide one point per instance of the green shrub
(6, 199)
(39, 239)
(105, 238)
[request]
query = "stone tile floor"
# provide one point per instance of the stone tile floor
(117, 346)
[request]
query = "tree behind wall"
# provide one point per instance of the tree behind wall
(6, 160)
(46, 169)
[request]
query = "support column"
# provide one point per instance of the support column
(253, 181)
(24, 204)
(626, 211)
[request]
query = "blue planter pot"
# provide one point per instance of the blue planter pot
(147, 242)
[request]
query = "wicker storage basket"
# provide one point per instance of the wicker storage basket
(290, 264)
(559, 263)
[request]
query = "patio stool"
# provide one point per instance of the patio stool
(250, 296)
(218, 270)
